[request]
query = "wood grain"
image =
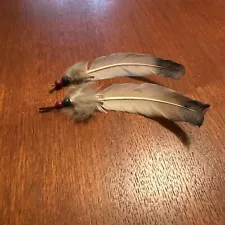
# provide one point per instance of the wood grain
(117, 168)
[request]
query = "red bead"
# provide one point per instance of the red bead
(59, 105)
(58, 84)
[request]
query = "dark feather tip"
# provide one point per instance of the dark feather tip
(202, 109)
(171, 69)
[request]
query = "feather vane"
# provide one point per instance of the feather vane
(123, 65)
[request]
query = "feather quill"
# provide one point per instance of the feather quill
(149, 100)
(124, 65)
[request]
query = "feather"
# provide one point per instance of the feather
(149, 100)
(123, 65)
(132, 64)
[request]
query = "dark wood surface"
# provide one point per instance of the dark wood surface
(117, 168)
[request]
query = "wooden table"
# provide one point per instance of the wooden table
(117, 168)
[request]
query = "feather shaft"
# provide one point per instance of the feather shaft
(122, 64)
(144, 99)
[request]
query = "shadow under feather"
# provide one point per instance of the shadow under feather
(145, 79)
(174, 128)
